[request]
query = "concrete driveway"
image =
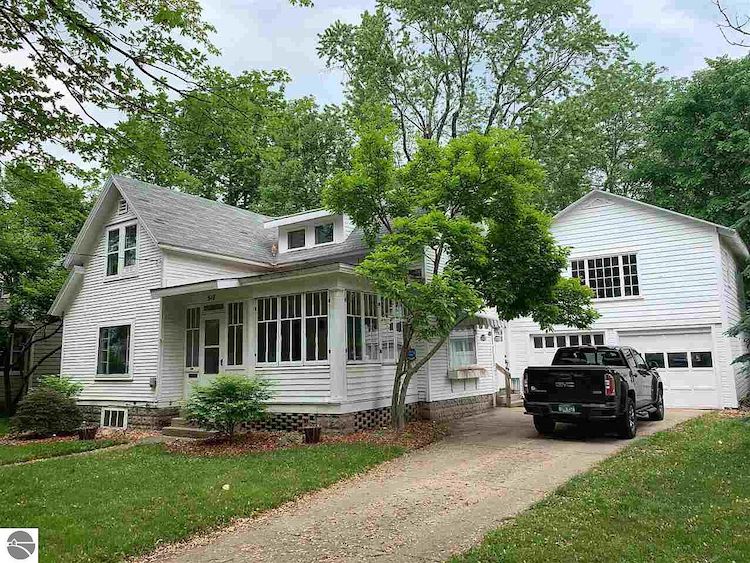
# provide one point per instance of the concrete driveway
(423, 506)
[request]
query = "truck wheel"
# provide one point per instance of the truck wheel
(544, 425)
(658, 412)
(627, 424)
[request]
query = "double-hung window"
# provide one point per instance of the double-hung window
(354, 326)
(192, 337)
(114, 350)
(462, 349)
(609, 277)
(371, 333)
(235, 334)
(293, 328)
(122, 249)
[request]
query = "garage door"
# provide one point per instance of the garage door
(686, 365)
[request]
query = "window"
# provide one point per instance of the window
(549, 341)
(122, 248)
(538, 342)
(462, 351)
(372, 335)
(114, 418)
(114, 350)
(677, 359)
(560, 340)
(639, 361)
(585, 340)
(291, 328)
(316, 326)
(391, 332)
(553, 342)
(579, 357)
(655, 358)
(192, 337)
(701, 359)
(289, 332)
(295, 239)
(574, 340)
(324, 233)
(354, 348)
(235, 334)
(267, 329)
(598, 340)
(609, 276)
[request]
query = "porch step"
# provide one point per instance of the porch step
(516, 400)
(188, 432)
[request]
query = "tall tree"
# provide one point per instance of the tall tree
(699, 146)
(594, 138)
(65, 64)
(467, 205)
(450, 66)
(40, 217)
(236, 139)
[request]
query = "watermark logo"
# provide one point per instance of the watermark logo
(19, 544)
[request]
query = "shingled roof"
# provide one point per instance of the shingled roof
(191, 222)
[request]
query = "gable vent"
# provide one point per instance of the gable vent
(122, 207)
(114, 418)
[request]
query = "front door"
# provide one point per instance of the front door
(212, 347)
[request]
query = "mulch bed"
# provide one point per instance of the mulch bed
(415, 435)
(102, 433)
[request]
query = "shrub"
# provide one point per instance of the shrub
(45, 412)
(64, 385)
(226, 402)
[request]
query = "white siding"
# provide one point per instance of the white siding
(370, 386)
(109, 302)
(181, 268)
(298, 384)
(735, 347)
(171, 370)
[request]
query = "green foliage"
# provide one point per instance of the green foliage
(236, 138)
(700, 141)
(62, 384)
(595, 137)
(464, 211)
(226, 402)
(64, 62)
(46, 412)
(445, 68)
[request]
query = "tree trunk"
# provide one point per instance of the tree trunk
(7, 363)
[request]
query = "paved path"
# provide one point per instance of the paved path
(423, 506)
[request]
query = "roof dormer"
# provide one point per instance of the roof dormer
(309, 229)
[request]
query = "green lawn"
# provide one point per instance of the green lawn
(682, 495)
(107, 506)
(40, 450)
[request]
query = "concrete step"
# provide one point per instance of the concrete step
(188, 432)
(179, 421)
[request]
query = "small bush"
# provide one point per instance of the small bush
(64, 385)
(226, 402)
(45, 412)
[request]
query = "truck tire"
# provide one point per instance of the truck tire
(658, 412)
(544, 425)
(627, 424)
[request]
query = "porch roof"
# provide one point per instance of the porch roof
(256, 279)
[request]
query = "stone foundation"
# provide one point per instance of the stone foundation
(452, 409)
(139, 418)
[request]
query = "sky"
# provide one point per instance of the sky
(266, 34)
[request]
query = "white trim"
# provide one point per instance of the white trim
(298, 218)
(71, 285)
(114, 409)
(128, 376)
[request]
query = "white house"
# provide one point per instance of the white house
(167, 289)
(666, 284)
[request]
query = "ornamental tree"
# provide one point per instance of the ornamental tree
(466, 208)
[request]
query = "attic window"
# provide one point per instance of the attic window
(296, 239)
(122, 207)
(324, 233)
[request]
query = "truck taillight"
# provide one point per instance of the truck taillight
(609, 385)
(525, 382)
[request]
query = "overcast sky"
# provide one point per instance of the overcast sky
(265, 34)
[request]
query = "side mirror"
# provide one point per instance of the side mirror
(653, 365)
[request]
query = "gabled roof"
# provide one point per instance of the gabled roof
(730, 235)
(179, 221)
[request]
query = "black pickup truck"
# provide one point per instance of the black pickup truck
(593, 383)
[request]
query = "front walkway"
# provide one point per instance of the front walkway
(423, 506)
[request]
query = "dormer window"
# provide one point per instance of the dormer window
(296, 239)
(324, 233)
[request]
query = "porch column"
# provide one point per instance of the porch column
(337, 343)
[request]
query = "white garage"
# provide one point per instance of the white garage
(685, 360)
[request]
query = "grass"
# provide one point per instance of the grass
(681, 495)
(125, 502)
(41, 450)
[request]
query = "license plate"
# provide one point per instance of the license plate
(566, 408)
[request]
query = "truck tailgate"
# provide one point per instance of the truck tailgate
(568, 384)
